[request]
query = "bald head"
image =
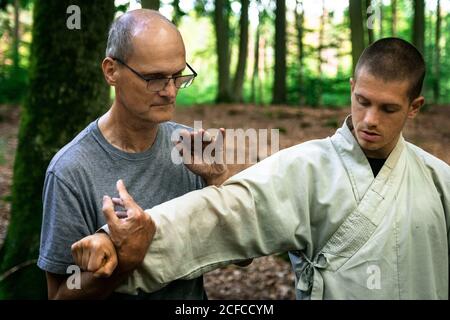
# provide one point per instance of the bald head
(137, 26)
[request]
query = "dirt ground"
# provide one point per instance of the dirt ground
(269, 277)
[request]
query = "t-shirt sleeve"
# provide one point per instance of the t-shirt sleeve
(63, 224)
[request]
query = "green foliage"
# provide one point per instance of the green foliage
(13, 84)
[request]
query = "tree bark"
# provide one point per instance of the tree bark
(357, 30)
(279, 84)
(419, 25)
(299, 22)
(381, 34)
(323, 21)
(221, 24)
(67, 91)
(437, 56)
(370, 35)
(16, 36)
(243, 51)
(150, 4)
(394, 18)
(255, 73)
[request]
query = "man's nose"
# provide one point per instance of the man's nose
(170, 90)
(372, 117)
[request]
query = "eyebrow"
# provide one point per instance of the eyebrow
(159, 73)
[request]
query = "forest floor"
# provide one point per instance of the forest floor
(268, 277)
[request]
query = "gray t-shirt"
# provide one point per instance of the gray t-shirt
(85, 170)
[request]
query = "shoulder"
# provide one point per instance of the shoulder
(308, 152)
(431, 162)
(310, 156)
(74, 154)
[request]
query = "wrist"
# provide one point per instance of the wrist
(217, 179)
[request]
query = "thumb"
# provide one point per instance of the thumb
(108, 211)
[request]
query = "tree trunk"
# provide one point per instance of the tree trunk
(381, 34)
(357, 30)
(221, 24)
(437, 56)
(370, 35)
(299, 22)
(255, 73)
(67, 91)
(150, 4)
(419, 25)
(394, 18)
(243, 50)
(279, 84)
(16, 36)
(320, 60)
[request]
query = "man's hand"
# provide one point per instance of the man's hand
(204, 155)
(132, 235)
(95, 254)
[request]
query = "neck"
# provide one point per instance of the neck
(124, 132)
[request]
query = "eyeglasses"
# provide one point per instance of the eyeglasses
(156, 84)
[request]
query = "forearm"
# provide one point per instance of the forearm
(90, 287)
(217, 180)
(231, 170)
(211, 228)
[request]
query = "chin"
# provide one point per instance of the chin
(161, 114)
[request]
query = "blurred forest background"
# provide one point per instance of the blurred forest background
(282, 64)
(296, 52)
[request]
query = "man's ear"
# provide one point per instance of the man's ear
(109, 71)
(416, 104)
(352, 84)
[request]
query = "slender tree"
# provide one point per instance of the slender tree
(255, 73)
(299, 23)
(437, 54)
(394, 18)
(279, 84)
(419, 25)
(16, 36)
(221, 24)
(321, 46)
(67, 91)
(150, 4)
(357, 30)
(243, 51)
(380, 21)
(369, 27)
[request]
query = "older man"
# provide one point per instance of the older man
(146, 64)
(365, 214)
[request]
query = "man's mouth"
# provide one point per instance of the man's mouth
(163, 105)
(369, 136)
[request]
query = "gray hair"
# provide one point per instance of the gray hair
(120, 45)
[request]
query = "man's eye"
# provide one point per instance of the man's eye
(364, 103)
(389, 110)
(151, 77)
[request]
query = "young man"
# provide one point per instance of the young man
(146, 64)
(364, 214)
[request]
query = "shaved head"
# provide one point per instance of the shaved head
(133, 24)
(394, 59)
